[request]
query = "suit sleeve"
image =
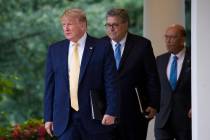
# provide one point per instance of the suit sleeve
(111, 84)
(152, 83)
(49, 88)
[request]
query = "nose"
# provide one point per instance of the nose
(66, 28)
(168, 39)
(112, 28)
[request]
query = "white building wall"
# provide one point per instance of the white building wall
(158, 15)
(200, 69)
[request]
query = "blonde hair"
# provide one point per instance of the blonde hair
(74, 13)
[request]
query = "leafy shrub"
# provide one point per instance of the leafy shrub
(30, 130)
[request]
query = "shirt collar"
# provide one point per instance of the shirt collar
(81, 41)
(122, 42)
(180, 54)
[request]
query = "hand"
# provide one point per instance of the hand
(108, 120)
(151, 112)
(190, 113)
(49, 128)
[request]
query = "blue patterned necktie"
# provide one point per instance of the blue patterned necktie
(173, 72)
(117, 54)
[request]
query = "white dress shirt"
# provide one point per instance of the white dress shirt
(81, 47)
(122, 42)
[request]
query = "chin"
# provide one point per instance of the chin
(112, 38)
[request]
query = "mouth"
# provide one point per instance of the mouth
(112, 33)
(67, 34)
(170, 45)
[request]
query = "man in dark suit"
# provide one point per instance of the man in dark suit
(74, 67)
(136, 70)
(174, 118)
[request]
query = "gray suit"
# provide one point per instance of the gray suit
(172, 121)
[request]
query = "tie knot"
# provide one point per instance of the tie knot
(75, 44)
(175, 57)
(117, 45)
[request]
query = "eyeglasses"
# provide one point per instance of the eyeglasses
(171, 36)
(114, 25)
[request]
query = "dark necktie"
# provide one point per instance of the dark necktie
(173, 72)
(117, 54)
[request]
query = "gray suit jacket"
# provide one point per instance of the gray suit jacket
(178, 102)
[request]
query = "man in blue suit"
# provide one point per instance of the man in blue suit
(74, 67)
(174, 119)
(136, 68)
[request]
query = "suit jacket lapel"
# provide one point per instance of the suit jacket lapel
(165, 64)
(64, 54)
(185, 66)
(127, 49)
(86, 57)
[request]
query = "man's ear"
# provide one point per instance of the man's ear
(84, 26)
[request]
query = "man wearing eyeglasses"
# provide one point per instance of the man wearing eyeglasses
(174, 118)
(137, 76)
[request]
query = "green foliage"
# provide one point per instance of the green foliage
(27, 28)
(6, 85)
(5, 133)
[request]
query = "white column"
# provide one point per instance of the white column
(200, 69)
(158, 15)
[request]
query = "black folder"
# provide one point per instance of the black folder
(142, 101)
(98, 104)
